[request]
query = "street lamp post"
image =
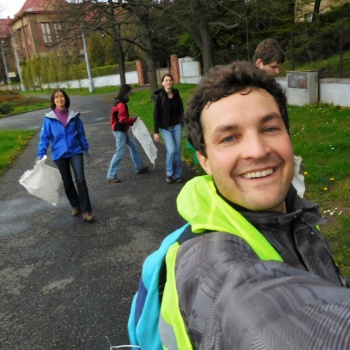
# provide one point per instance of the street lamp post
(91, 82)
(5, 65)
(16, 58)
(17, 63)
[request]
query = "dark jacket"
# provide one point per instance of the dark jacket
(120, 119)
(167, 112)
(230, 299)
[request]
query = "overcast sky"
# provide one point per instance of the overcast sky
(8, 8)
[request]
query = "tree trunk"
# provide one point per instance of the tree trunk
(206, 46)
(121, 55)
(149, 51)
(316, 10)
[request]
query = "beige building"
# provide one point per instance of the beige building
(6, 48)
(36, 30)
(304, 8)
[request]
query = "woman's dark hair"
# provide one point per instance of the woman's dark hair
(123, 92)
(167, 75)
(52, 99)
(222, 81)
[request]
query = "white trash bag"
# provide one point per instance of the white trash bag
(141, 133)
(298, 179)
(43, 181)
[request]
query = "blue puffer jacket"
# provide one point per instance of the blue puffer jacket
(65, 141)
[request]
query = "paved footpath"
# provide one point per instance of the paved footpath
(66, 284)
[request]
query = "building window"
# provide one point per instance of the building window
(45, 27)
(58, 31)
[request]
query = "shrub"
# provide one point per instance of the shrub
(112, 69)
(5, 108)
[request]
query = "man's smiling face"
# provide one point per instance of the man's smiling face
(249, 151)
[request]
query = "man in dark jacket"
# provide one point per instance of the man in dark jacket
(257, 272)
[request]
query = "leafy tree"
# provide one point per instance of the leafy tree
(111, 54)
(27, 77)
(34, 71)
(96, 50)
(77, 71)
(63, 69)
(192, 16)
(52, 72)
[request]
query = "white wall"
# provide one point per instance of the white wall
(108, 80)
(335, 91)
(189, 71)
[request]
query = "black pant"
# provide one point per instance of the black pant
(80, 199)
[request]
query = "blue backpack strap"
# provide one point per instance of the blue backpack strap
(145, 308)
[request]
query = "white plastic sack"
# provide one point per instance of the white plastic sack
(43, 181)
(298, 179)
(141, 133)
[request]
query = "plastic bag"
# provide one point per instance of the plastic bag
(141, 133)
(43, 181)
(298, 179)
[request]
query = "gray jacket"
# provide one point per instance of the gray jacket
(230, 299)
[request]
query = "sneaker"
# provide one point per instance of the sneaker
(75, 211)
(169, 179)
(88, 217)
(115, 180)
(178, 180)
(143, 170)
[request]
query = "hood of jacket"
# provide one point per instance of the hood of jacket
(71, 114)
(200, 205)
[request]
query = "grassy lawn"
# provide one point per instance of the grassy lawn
(13, 103)
(320, 134)
(12, 143)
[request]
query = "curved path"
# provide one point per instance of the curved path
(66, 284)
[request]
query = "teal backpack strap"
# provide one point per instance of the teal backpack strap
(145, 308)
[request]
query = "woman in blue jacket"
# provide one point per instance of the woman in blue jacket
(65, 131)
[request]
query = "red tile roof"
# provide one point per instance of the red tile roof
(5, 30)
(33, 5)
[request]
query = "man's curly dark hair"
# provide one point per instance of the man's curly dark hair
(222, 81)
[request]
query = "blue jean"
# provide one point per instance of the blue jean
(76, 199)
(172, 140)
(122, 139)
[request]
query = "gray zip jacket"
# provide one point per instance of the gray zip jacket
(230, 299)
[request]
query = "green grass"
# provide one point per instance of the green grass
(330, 66)
(18, 103)
(31, 107)
(12, 143)
(320, 134)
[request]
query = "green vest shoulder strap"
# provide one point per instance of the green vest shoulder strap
(217, 216)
